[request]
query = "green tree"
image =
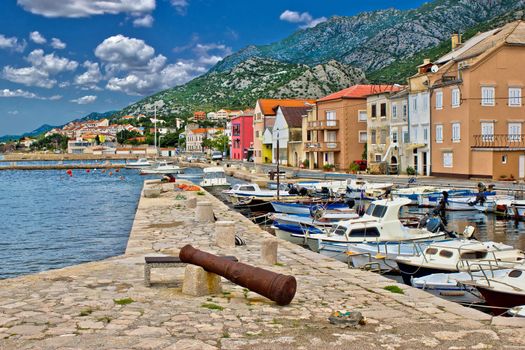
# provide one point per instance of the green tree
(124, 135)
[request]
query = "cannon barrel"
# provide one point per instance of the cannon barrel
(274, 286)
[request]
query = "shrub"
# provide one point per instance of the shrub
(411, 171)
(328, 166)
(354, 167)
(306, 163)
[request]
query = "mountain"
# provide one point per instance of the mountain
(373, 40)
(251, 79)
(46, 127)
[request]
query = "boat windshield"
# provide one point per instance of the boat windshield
(376, 210)
(474, 255)
(217, 175)
(247, 188)
(338, 230)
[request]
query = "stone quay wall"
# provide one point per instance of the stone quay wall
(106, 305)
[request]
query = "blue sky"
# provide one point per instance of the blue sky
(60, 60)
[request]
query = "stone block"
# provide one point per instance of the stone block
(153, 182)
(204, 212)
(191, 203)
(152, 192)
(225, 234)
(198, 282)
(269, 251)
(167, 187)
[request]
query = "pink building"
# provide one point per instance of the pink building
(242, 137)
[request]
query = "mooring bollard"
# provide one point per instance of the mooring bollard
(152, 192)
(225, 234)
(199, 282)
(167, 187)
(269, 251)
(204, 212)
(191, 203)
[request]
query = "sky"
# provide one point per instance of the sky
(63, 59)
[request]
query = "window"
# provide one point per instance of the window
(257, 133)
(439, 100)
(431, 251)
(374, 111)
(425, 102)
(362, 136)
(446, 253)
(447, 160)
(425, 135)
(378, 157)
(406, 136)
(455, 97)
(405, 110)
(383, 109)
(504, 159)
(414, 103)
(383, 137)
(456, 132)
(362, 116)
(394, 136)
(514, 132)
(514, 97)
(373, 137)
(487, 131)
(394, 111)
(330, 118)
(487, 96)
(439, 133)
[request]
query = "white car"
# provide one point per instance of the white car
(192, 158)
(216, 155)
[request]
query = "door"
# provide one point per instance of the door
(425, 163)
(522, 167)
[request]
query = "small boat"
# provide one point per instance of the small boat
(306, 208)
(457, 256)
(139, 164)
(250, 196)
(457, 199)
(362, 189)
(517, 311)
(511, 208)
(162, 167)
(380, 223)
(505, 291)
(214, 179)
(413, 193)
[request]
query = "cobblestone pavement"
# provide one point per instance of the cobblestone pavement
(105, 305)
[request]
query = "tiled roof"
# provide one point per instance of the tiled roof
(294, 115)
(199, 131)
(268, 105)
(360, 91)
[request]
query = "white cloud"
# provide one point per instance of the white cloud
(210, 54)
(304, 18)
(91, 77)
(85, 100)
(86, 8)
(181, 6)
(7, 93)
(55, 97)
(29, 76)
(123, 53)
(50, 63)
(146, 21)
(12, 43)
(15, 112)
(37, 38)
(58, 44)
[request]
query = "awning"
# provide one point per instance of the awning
(412, 146)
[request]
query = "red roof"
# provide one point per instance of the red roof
(268, 105)
(360, 91)
(199, 131)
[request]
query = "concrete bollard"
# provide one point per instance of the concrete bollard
(225, 234)
(199, 282)
(204, 212)
(269, 251)
(152, 192)
(191, 203)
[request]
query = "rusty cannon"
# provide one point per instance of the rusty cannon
(274, 286)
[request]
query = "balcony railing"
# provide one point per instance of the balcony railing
(322, 146)
(499, 141)
(323, 125)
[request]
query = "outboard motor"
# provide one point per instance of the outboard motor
(303, 191)
(433, 224)
(350, 202)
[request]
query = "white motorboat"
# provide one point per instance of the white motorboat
(139, 164)
(362, 189)
(162, 167)
(380, 223)
(214, 177)
(307, 208)
(413, 193)
(490, 205)
(251, 196)
(457, 256)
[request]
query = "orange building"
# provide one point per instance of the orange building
(477, 113)
(336, 132)
(199, 115)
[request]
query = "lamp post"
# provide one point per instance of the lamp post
(278, 171)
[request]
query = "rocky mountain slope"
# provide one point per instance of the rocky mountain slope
(373, 40)
(241, 86)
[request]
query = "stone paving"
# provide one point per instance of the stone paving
(105, 305)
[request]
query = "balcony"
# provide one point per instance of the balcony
(498, 142)
(323, 125)
(322, 146)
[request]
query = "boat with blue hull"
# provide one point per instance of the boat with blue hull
(306, 209)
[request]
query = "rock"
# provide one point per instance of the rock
(204, 212)
(198, 282)
(225, 234)
(90, 325)
(190, 344)
(152, 192)
(26, 329)
(148, 332)
(269, 251)
(191, 203)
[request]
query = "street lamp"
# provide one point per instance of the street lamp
(278, 171)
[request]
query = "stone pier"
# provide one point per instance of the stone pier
(105, 304)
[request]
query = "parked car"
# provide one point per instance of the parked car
(192, 158)
(216, 155)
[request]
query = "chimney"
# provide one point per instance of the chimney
(426, 61)
(456, 40)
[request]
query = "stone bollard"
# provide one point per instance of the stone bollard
(269, 251)
(167, 187)
(199, 282)
(204, 212)
(152, 192)
(225, 234)
(191, 203)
